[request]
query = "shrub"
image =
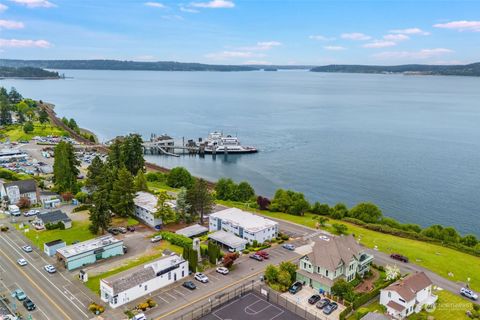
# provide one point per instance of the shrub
(24, 203)
(82, 207)
(151, 303)
(176, 239)
(179, 177)
(96, 308)
(81, 196)
(143, 306)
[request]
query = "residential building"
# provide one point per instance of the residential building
(52, 217)
(408, 295)
(145, 208)
(90, 251)
(15, 190)
(333, 258)
(132, 284)
(50, 199)
(192, 231)
(244, 224)
(229, 240)
(50, 248)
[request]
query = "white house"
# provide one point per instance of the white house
(132, 284)
(408, 295)
(15, 190)
(145, 208)
(244, 224)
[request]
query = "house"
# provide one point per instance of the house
(50, 248)
(90, 251)
(408, 295)
(145, 208)
(192, 231)
(52, 217)
(50, 199)
(333, 258)
(132, 284)
(15, 190)
(244, 225)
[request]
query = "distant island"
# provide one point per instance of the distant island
(408, 69)
(27, 73)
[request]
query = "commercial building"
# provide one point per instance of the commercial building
(52, 217)
(50, 248)
(192, 231)
(333, 258)
(145, 208)
(15, 190)
(88, 252)
(244, 225)
(132, 284)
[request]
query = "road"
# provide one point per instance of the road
(56, 295)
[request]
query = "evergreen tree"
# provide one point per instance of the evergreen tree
(141, 182)
(132, 153)
(43, 116)
(123, 193)
(95, 174)
(100, 216)
(115, 159)
(183, 207)
(65, 169)
(5, 115)
(14, 96)
(28, 127)
(200, 199)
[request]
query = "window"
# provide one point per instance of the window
(326, 273)
(401, 300)
(146, 287)
(389, 294)
(169, 276)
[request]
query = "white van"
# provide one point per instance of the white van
(14, 210)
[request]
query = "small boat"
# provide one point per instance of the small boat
(218, 143)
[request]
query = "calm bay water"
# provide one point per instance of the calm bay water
(409, 144)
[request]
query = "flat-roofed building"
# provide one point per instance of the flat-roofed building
(88, 252)
(192, 231)
(132, 284)
(50, 248)
(146, 207)
(229, 240)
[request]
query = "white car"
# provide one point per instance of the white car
(140, 316)
(468, 293)
(222, 270)
(31, 213)
(27, 248)
(156, 239)
(201, 277)
(22, 262)
(50, 269)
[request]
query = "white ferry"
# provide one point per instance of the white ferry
(217, 142)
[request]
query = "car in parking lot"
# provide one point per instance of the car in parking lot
(189, 285)
(332, 306)
(27, 249)
(263, 254)
(288, 246)
(201, 277)
(468, 293)
(399, 257)
(113, 231)
(22, 262)
(140, 316)
(155, 238)
(49, 268)
(322, 303)
(30, 213)
(295, 287)
(314, 299)
(28, 304)
(19, 294)
(131, 228)
(256, 257)
(122, 229)
(222, 270)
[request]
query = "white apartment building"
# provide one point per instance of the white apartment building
(145, 208)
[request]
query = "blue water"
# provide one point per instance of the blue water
(410, 144)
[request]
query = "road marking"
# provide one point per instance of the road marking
(36, 285)
(173, 297)
(178, 292)
(163, 299)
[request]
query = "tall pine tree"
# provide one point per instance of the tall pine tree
(100, 216)
(200, 199)
(65, 168)
(123, 193)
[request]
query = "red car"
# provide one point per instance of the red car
(399, 257)
(263, 254)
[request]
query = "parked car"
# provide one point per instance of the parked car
(294, 288)
(332, 306)
(189, 285)
(263, 254)
(468, 293)
(399, 257)
(22, 262)
(122, 229)
(156, 239)
(29, 305)
(131, 228)
(222, 270)
(288, 246)
(19, 294)
(30, 213)
(256, 257)
(322, 303)
(113, 231)
(140, 316)
(314, 299)
(27, 249)
(201, 277)
(49, 268)
(125, 249)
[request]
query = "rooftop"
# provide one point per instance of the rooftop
(227, 238)
(146, 201)
(329, 251)
(53, 216)
(86, 246)
(24, 186)
(248, 221)
(192, 230)
(408, 287)
(54, 242)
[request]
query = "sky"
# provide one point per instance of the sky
(313, 32)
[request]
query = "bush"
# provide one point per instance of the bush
(82, 207)
(179, 177)
(96, 308)
(155, 176)
(81, 196)
(24, 203)
(176, 239)
(151, 303)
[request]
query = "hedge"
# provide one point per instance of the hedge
(176, 239)
(82, 207)
(364, 298)
(344, 314)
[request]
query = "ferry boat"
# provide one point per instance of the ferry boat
(217, 142)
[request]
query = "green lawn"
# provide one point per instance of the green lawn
(449, 307)
(93, 282)
(78, 232)
(125, 222)
(375, 306)
(160, 186)
(15, 132)
(439, 259)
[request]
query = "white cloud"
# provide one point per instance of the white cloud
(357, 36)
(189, 10)
(334, 48)
(319, 37)
(396, 37)
(411, 31)
(421, 54)
(15, 43)
(214, 4)
(379, 44)
(3, 7)
(462, 25)
(224, 55)
(155, 5)
(10, 24)
(35, 3)
(262, 46)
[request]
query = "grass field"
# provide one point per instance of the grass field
(160, 186)
(439, 259)
(15, 132)
(93, 282)
(117, 222)
(78, 232)
(449, 307)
